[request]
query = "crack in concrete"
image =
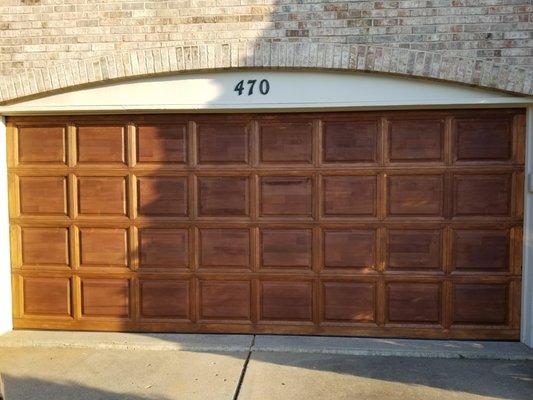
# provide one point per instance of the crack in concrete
(244, 368)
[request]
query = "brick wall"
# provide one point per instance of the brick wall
(38, 34)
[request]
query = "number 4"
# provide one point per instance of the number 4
(239, 87)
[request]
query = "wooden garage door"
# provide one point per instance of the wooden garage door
(388, 224)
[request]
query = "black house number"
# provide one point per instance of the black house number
(248, 87)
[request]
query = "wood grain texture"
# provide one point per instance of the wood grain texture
(288, 142)
(165, 299)
(416, 140)
(222, 143)
(160, 144)
(101, 144)
(286, 248)
(42, 144)
(390, 223)
(225, 300)
(224, 247)
(163, 248)
(350, 141)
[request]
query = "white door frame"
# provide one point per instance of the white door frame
(6, 315)
(526, 326)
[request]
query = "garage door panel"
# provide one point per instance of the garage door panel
(103, 297)
(43, 195)
(414, 249)
(482, 195)
(286, 196)
(389, 223)
(350, 141)
(47, 296)
(224, 247)
(162, 144)
(163, 248)
(44, 145)
(415, 140)
(165, 299)
(481, 249)
(414, 303)
(225, 300)
(415, 195)
(284, 301)
(101, 144)
(349, 302)
(162, 196)
(103, 247)
(223, 196)
(349, 196)
(286, 248)
(223, 144)
(480, 303)
(286, 142)
(102, 195)
(46, 246)
(483, 139)
(349, 249)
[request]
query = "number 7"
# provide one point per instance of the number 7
(252, 83)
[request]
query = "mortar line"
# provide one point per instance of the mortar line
(243, 371)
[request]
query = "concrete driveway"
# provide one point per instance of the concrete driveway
(62, 365)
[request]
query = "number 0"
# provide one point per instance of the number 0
(264, 86)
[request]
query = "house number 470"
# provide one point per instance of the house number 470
(264, 87)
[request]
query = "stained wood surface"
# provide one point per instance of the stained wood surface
(403, 223)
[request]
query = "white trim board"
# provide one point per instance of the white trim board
(6, 315)
(526, 326)
(288, 91)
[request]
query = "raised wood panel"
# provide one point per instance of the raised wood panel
(416, 140)
(166, 248)
(224, 144)
(45, 246)
(223, 196)
(286, 301)
(349, 302)
(43, 195)
(164, 299)
(350, 248)
(476, 303)
(286, 248)
(102, 195)
(384, 223)
(481, 249)
(415, 195)
(225, 247)
(414, 249)
(162, 143)
(409, 302)
(160, 196)
(105, 297)
(285, 196)
(103, 247)
(42, 144)
(350, 195)
(482, 195)
(225, 300)
(350, 141)
(101, 144)
(47, 296)
(482, 139)
(286, 142)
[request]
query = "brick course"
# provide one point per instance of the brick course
(52, 44)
